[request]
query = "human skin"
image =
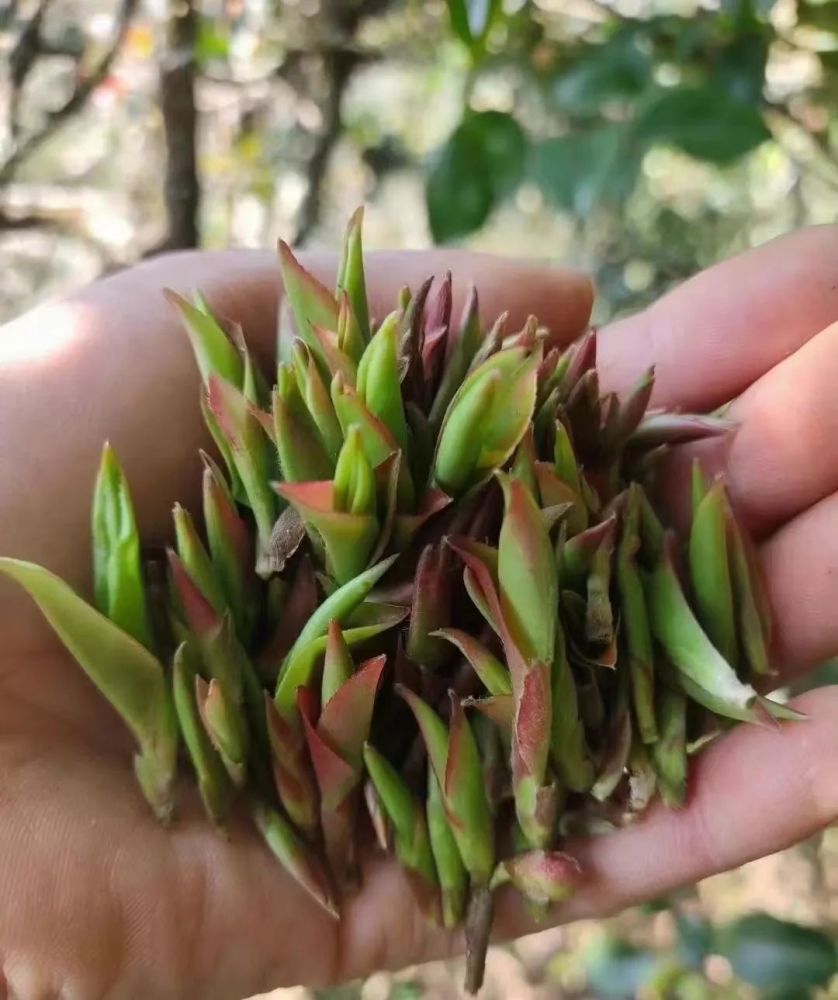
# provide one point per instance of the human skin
(97, 900)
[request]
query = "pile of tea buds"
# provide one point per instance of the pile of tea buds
(431, 597)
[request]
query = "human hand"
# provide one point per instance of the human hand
(93, 895)
(95, 898)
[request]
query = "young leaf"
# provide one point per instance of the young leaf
(493, 674)
(338, 665)
(451, 872)
(117, 571)
(338, 607)
(696, 658)
(378, 383)
(310, 301)
(544, 877)
(461, 356)
(249, 448)
(125, 672)
(216, 789)
(298, 859)
(711, 575)
(196, 560)
(213, 349)
(527, 576)
(351, 273)
(669, 752)
(231, 548)
(412, 843)
(464, 792)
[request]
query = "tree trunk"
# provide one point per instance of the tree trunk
(180, 121)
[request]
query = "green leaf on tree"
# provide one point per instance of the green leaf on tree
(618, 70)
(778, 955)
(617, 969)
(481, 163)
(740, 65)
(705, 122)
(695, 938)
(472, 20)
(580, 170)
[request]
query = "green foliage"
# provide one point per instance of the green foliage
(740, 65)
(691, 84)
(778, 955)
(782, 960)
(482, 161)
(472, 21)
(595, 109)
(616, 71)
(581, 170)
(695, 939)
(617, 969)
(705, 122)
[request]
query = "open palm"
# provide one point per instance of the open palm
(96, 899)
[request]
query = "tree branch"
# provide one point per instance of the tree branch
(825, 168)
(289, 65)
(339, 69)
(76, 101)
(45, 220)
(30, 220)
(340, 63)
(22, 58)
(180, 122)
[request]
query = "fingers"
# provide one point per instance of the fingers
(800, 571)
(561, 299)
(112, 363)
(714, 335)
(781, 468)
(782, 457)
(800, 563)
(182, 895)
(382, 928)
(754, 792)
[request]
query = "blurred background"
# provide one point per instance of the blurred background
(639, 139)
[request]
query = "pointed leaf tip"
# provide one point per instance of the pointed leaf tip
(710, 678)
(527, 573)
(493, 674)
(201, 616)
(123, 670)
(345, 719)
(296, 856)
(214, 351)
(118, 582)
(311, 302)
(464, 792)
(338, 665)
(432, 728)
(338, 606)
(336, 777)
